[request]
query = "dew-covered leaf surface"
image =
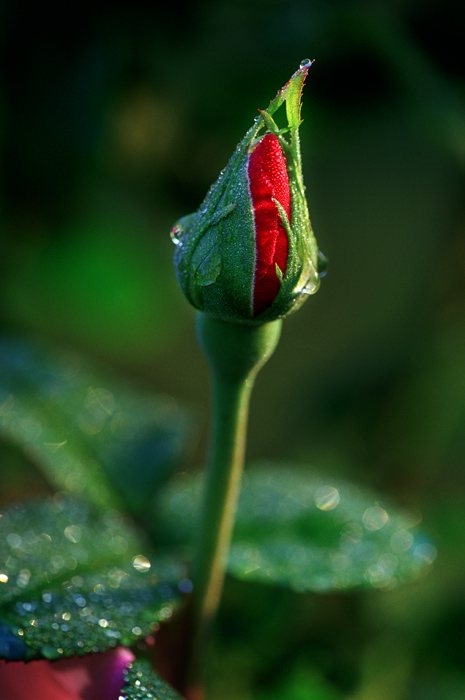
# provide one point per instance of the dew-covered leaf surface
(91, 436)
(142, 683)
(308, 533)
(44, 540)
(74, 582)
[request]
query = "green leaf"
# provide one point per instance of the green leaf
(308, 533)
(43, 541)
(92, 613)
(142, 683)
(90, 436)
(74, 582)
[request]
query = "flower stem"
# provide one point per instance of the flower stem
(235, 353)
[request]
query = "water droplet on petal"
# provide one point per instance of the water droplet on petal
(306, 62)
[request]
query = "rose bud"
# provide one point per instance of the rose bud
(92, 677)
(249, 254)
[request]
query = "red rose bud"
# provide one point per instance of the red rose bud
(249, 254)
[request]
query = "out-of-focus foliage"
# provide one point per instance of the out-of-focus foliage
(113, 124)
(299, 530)
(90, 435)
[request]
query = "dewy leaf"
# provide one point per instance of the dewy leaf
(73, 582)
(92, 613)
(142, 683)
(46, 540)
(87, 434)
(308, 533)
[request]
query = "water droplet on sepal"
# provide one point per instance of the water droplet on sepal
(309, 281)
(322, 264)
(311, 287)
(176, 234)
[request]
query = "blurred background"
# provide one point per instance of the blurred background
(114, 121)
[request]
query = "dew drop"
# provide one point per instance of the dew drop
(185, 585)
(23, 578)
(48, 651)
(309, 281)
(311, 287)
(327, 498)
(375, 518)
(77, 581)
(352, 532)
(14, 540)
(425, 553)
(141, 563)
(401, 540)
(73, 533)
(379, 575)
(306, 62)
(176, 234)
(322, 264)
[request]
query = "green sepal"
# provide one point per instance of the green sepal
(220, 236)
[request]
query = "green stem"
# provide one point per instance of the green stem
(235, 353)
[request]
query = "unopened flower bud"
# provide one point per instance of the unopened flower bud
(249, 254)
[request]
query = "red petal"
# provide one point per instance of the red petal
(268, 180)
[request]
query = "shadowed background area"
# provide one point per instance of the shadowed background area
(114, 121)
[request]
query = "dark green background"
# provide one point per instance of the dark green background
(114, 121)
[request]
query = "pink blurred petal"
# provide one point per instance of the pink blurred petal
(90, 677)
